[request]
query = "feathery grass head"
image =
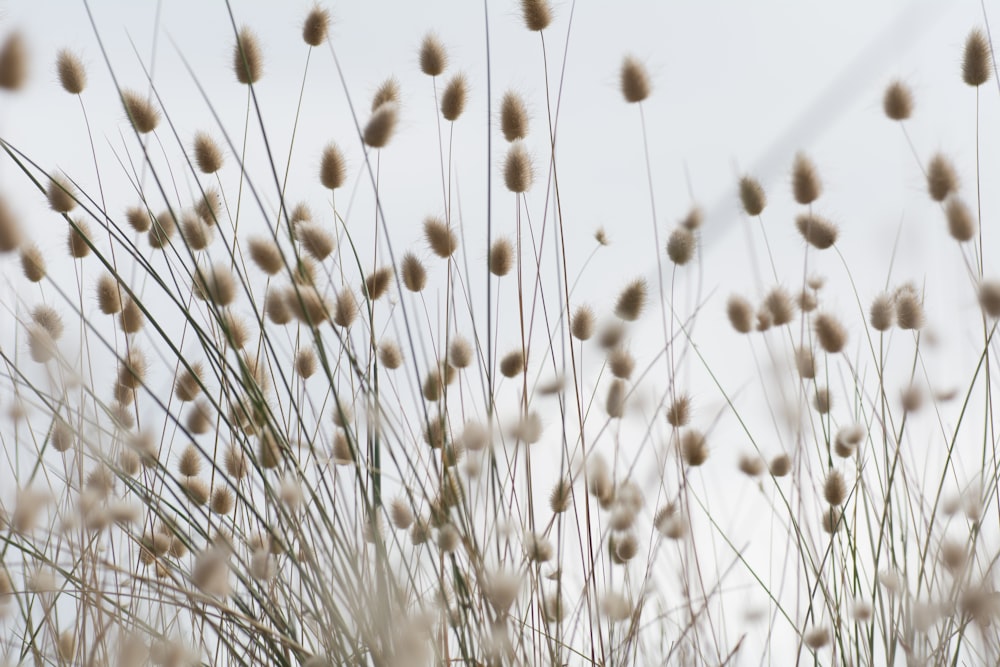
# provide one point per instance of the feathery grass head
(72, 75)
(961, 222)
(780, 306)
(897, 102)
(882, 313)
(806, 185)
(386, 93)
(632, 300)
(780, 465)
(752, 196)
(518, 173)
(433, 57)
(694, 447)
(131, 319)
(382, 123)
(345, 308)
(537, 14)
(32, 263)
(941, 177)
(453, 98)
(377, 283)
(265, 254)
(215, 284)
(501, 257)
(10, 228)
(207, 154)
(582, 323)
(78, 240)
(316, 26)
(248, 63)
(48, 318)
(196, 234)
(679, 411)
(440, 237)
(977, 67)
(61, 195)
(513, 117)
(13, 62)
(816, 230)
(635, 85)
(694, 219)
(909, 307)
(413, 272)
(989, 297)
(332, 168)
(740, 313)
(681, 245)
(140, 111)
(830, 333)
(315, 240)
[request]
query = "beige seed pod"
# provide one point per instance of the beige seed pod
(632, 300)
(196, 490)
(679, 411)
(214, 284)
(162, 230)
(501, 257)
(834, 488)
(132, 369)
(694, 448)
(138, 218)
(387, 93)
(512, 364)
(897, 101)
(381, 125)
(615, 403)
(807, 301)
(235, 463)
(316, 26)
(10, 228)
(909, 308)
(433, 58)
(305, 362)
(79, 239)
(440, 237)
(830, 332)
(61, 195)
(635, 85)
(882, 313)
(61, 436)
(49, 319)
(140, 111)
(561, 496)
(513, 117)
(621, 363)
(460, 353)
(189, 462)
(208, 207)
(332, 167)
(223, 501)
(518, 173)
(307, 305)
(780, 306)
(390, 355)
(537, 548)
(413, 272)
(989, 297)
(961, 223)
(400, 514)
(805, 363)
(780, 465)
(751, 465)
(346, 308)
(822, 400)
(265, 254)
(680, 246)
(66, 645)
(13, 62)
(626, 547)
(740, 314)
(109, 295)
(752, 196)
(453, 98)
(196, 234)
(377, 283)
(187, 386)
(816, 637)
(131, 318)
(582, 323)
(315, 240)
(32, 263)
(816, 230)
(207, 153)
(537, 14)
(977, 67)
(942, 180)
(276, 306)
(806, 185)
(248, 63)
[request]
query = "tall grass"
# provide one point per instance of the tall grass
(246, 429)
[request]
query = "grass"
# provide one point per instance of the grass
(247, 429)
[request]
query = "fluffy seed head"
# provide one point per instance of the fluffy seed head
(138, 218)
(961, 223)
(751, 465)
(615, 404)
(518, 173)
(207, 154)
(79, 236)
(307, 305)
(780, 306)
(460, 353)
(752, 196)
(215, 284)
(345, 309)
(265, 254)
(626, 547)
(162, 230)
(976, 64)
(247, 59)
(513, 117)
(140, 111)
(989, 297)
(390, 355)
(897, 101)
(679, 412)
(13, 62)
(822, 400)
(582, 323)
(740, 313)
(834, 488)
(188, 383)
(332, 168)
(453, 97)
(433, 58)
(806, 185)
(413, 272)
(942, 180)
(680, 246)
(440, 237)
(72, 75)
(131, 318)
(816, 230)
(377, 283)
(10, 229)
(632, 300)
(48, 318)
(621, 363)
(512, 363)
(381, 125)
(816, 637)
(501, 257)
(694, 448)
(189, 462)
(537, 14)
(635, 83)
(32, 263)
(315, 240)
(387, 93)
(830, 332)
(882, 313)
(60, 194)
(196, 234)
(316, 26)
(780, 465)
(909, 309)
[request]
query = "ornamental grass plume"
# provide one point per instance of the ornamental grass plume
(248, 62)
(316, 26)
(72, 75)
(453, 97)
(517, 172)
(537, 14)
(632, 300)
(977, 65)
(897, 102)
(752, 196)
(635, 83)
(806, 185)
(140, 111)
(433, 57)
(513, 116)
(381, 124)
(13, 62)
